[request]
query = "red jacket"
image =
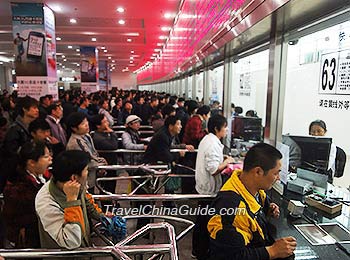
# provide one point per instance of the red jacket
(193, 131)
(19, 210)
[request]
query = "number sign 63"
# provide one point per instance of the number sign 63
(329, 71)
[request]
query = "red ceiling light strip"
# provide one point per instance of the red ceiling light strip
(201, 20)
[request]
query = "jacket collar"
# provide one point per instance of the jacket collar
(235, 184)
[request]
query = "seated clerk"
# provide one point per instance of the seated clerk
(41, 132)
(245, 235)
(131, 139)
(55, 113)
(319, 128)
(80, 139)
(19, 195)
(63, 206)
(104, 137)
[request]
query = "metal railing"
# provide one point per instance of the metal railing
(118, 251)
(152, 182)
(142, 151)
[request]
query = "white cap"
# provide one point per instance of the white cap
(132, 119)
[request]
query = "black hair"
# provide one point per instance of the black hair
(82, 100)
(216, 122)
(3, 121)
(251, 113)
(319, 123)
(74, 120)
(180, 99)
(42, 98)
(69, 163)
(232, 105)
(52, 107)
(102, 100)
(171, 120)
(261, 155)
(167, 110)
(25, 103)
(38, 124)
(238, 110)
(97, 119)
(203, 110)
(192, 106)
(31, 151)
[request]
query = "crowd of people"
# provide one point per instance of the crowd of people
(54, 208)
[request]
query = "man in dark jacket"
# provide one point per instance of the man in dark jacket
(17, 135)
(158, 149)
(243, 234)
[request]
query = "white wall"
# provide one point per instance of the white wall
(123, 80)
(250, 75)
(303, 92)
(216, 84)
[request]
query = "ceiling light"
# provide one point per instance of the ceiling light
(63, 67)
(58, 38)
(121, 22)
(129, 40)
(105, 51)
(131, 58)
(93, 39)
(56, 8)
(103, 47)
(64, 59)
(169, 15)
(73, 71)
(78, 50)
(120, 10)
(131, 61)
(113, 61)
(109, 58)
(78, 65)
(63, 56)
(72, 20)
(132, 52)
(70, 47)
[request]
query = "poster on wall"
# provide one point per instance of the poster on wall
(103, 75)
(35, 49)
(245, 88)
(89, 69)
(29, 39)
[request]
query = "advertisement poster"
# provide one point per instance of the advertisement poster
(35, 49)
(89, 69)
(103, 75)
(88, 66)
(29, 39)
(49, 20)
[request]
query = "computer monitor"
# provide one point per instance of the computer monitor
(314, 152)
(247, 128)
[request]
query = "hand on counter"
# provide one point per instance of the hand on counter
(274, 210)
(282, 248)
